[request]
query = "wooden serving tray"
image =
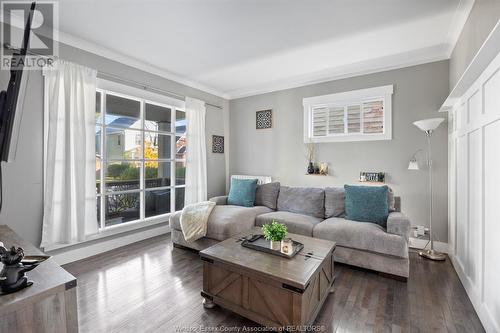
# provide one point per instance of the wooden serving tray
(262, 244)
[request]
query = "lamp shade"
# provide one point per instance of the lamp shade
(413, 165)
(428, 124)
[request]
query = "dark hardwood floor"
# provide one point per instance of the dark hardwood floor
(152, 287)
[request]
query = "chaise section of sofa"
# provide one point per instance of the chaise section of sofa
(224, 222)
(366, 245)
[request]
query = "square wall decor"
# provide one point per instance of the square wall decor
(217, 144)
(264, 119)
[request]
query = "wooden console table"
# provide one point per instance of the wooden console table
(49, 305)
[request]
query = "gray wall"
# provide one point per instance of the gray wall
(22, 180)
(482, 19)
(279, 152)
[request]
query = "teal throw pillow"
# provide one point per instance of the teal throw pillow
(366, 204)
(242, 192)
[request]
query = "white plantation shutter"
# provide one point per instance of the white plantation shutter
(336, 120)
(358, 115)
(320, 119)
(373, 117)
(354, 119)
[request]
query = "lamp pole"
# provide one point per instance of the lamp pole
(430, 254)
(429, 164)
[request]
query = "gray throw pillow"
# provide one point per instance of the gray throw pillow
(267, 195)
(334, 202)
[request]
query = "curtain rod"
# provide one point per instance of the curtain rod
(104, 75)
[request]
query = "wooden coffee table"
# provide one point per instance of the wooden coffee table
(268, 289)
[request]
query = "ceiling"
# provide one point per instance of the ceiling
(236, 48)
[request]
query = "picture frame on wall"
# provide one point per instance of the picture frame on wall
(218, 144)
(264, 119)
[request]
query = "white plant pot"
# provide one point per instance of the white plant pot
(275, 245)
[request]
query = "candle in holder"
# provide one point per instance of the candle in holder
(287, 246)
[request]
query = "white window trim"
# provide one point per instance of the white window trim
(345, 98)
(133, 93)
(137, 94)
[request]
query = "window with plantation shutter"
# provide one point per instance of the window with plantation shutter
(358, 115)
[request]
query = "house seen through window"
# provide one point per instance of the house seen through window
(140, 158)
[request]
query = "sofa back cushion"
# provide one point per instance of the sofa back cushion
(335, 201)
(366, 203)
(242, 192)
(302, 200)
(391, 202)
(267, 195)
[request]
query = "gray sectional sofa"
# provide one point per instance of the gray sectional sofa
(314, 212)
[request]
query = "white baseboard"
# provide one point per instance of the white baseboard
(488, 321)
(89, 249)
(416, 243)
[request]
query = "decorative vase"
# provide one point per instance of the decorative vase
(275, 245)
(323, 168)
(310, 168)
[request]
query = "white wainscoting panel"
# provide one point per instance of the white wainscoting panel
(474, 220)
(474, 198)
(491, 284)
(462, 194)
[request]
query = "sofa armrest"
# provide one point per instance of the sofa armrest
(219, 201)
(398, 224)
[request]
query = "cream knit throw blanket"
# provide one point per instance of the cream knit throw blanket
(194, 218)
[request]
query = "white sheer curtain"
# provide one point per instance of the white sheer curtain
(69, 194)
(196, 154)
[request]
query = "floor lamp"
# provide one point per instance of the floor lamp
(428, 126)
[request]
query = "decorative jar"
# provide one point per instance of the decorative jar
(287, 246)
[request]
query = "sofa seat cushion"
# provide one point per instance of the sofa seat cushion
(361, 235)
(226, 221)
(296, 223)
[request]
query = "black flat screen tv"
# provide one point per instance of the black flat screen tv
(11, 100)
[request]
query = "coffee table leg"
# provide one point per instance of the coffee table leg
(208, 304)
(332, 287)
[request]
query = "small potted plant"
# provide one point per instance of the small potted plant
(275, 232)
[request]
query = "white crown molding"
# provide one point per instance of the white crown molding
(102, 51)
(487, 53)
(97, 49)
(412, 58)
(407, 59)
(457, 24)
